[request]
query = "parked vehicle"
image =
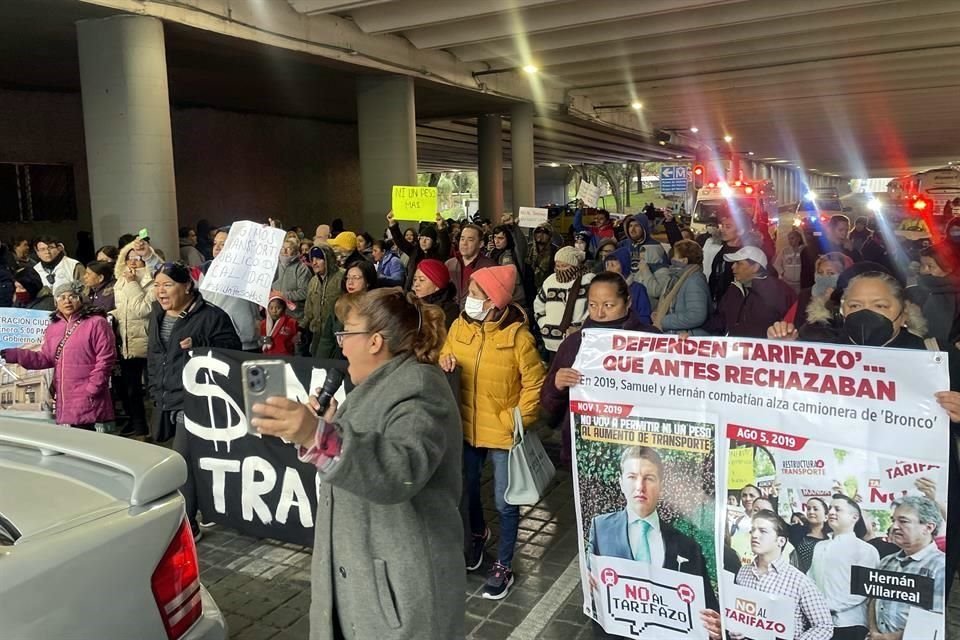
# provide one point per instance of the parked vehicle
(93, 540)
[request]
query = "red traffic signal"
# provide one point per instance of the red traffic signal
(698, 174)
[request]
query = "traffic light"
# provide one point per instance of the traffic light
(698, 173)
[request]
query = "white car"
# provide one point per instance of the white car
(94, 542)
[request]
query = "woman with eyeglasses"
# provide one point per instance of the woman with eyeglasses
(387, 556)
(181, 320)
(78, 345)
(361, 276)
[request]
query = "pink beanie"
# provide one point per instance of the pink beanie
(498, 283)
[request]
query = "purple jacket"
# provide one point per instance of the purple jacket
(557, 401)
(81, 378)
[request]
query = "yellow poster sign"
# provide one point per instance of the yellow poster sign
(415, 203)
(740, 468)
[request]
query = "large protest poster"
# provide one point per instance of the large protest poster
(251, 483)
(24, 393)
(246, 266)
(855, 428)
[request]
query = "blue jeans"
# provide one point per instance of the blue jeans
(473, 460)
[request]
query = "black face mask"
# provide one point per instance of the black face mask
(933, 282)
(868, 328)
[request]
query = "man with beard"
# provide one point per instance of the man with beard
(322, 294)
(55, 268)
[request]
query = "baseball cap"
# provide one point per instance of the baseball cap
(755, 254)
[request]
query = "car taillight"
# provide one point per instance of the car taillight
(748, 190)
(176, 584)
(920, 204)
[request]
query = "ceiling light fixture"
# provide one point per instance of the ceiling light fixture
(694, 130)
(728, 138)
(636, 106)
(530, 69)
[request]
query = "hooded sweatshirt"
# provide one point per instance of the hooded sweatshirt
(646, 249)
(639, 300)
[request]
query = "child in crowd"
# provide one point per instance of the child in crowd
(278, 331)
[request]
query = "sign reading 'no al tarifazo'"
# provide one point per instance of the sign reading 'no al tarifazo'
(415, 203)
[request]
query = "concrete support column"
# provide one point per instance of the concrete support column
(387, 133)
(521, 149)
(126, 123)
(490, 166)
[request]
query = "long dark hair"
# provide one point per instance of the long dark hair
(511, 247)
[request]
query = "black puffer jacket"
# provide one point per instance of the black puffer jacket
(207, 326)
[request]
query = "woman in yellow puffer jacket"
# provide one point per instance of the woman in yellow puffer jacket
(501, 370)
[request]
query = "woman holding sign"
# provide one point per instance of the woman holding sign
(387, 561)
(609, 307)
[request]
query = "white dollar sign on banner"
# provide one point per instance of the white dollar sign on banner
(229, 432)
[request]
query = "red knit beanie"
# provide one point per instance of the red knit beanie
(435, 271)
(497, 283)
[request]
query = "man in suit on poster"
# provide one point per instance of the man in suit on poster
(637, 533)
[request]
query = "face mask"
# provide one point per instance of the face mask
(678, 263)
(933, 282)
(868, 328)
(474, 308)
(23, 297)
(822, 283)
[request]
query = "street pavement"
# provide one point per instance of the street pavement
(263, 586)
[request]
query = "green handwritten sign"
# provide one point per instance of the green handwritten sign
(415, 203)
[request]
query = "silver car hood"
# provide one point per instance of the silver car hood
(51, 476)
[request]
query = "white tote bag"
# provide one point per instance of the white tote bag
(529, 469)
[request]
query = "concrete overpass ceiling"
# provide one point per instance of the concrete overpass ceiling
(842, 86)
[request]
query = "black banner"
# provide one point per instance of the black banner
(253, 484)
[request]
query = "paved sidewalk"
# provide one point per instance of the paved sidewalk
(263, 586)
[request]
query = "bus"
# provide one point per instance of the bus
(937, 191)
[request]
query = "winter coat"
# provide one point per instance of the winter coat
(501, 370)
(390, 271)
(388, 549)
(460, 274)
(81, 376)
(321, 299)
(646, 250)
(446, 299)
(539, 266)
(551, 302)
(66, 270)
(282, 337)
(641, 301)
(939, 299)
(291, 281)
(134, 302)
(104, 297)
(326, 341)
(691, 306)
(557, 401)
(439, 251)
(597, 232)
(789, 263)
(747, 312)
(206, 325)
(190, 256)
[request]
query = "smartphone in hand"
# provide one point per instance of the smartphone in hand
(262, 379)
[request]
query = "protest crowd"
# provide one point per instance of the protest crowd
(406, 304)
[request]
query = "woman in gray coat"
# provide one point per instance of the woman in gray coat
(684, 305)
(388, 553)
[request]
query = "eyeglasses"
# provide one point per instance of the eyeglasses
(354, 278)
(340, 335)
(63, 297)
